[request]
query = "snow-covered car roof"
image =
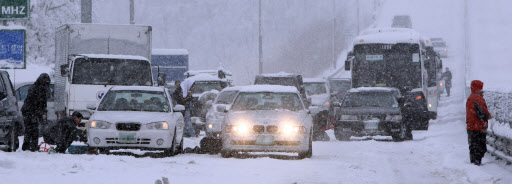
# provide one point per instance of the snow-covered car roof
(234, 88)
(371, 89)
(137, 88)
(169, 52)
(388, 36)
(269, 88)
(314, 80)
(205, 77)
(114, 56)
(280, 74)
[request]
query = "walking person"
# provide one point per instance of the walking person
(65, 132)
(177, 94)
(186, 96)
(447, 76)
(34, 111)
(477, 116)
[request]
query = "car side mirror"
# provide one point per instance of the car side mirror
(91, 106)
(64, 70)
(179, 108)
(222, 108)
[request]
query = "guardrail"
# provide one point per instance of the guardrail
(499, 134)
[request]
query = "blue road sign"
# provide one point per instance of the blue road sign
(12, 49)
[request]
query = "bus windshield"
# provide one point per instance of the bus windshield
(390, 65)
(106, 71)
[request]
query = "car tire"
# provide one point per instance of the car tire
(309, 152)
(172, 150)
(179, 149)
(340, 135)
(401, 135)
(13, 142)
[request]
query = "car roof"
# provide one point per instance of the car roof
(280, 74)
(137, 88)
(234, 88)
(269, 88)
(313, 80)
(371, 89)
(205, 77)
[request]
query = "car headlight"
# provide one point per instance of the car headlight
(348, 117)
(292, 130)
(161, 125)
(100, 124)
(240, 129)
(393, 118)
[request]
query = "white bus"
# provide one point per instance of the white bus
(391, 57)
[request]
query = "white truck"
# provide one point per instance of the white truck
(91, 58)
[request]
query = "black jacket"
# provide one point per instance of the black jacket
(177, 96)
(447, 77)
(64, 131)
(37, 96)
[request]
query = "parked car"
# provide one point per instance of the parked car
(440, 46)
(10, 117)
(370, 111)
(318, 91)
(267, 118)
(284, 79)
(21, 93)
(402, 21)
(215, 115)
(136, 117)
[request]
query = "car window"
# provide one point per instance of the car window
(267, 101)
(315, 88)
(134, 100)
(370, 99)
(201, 87)
(226, 97)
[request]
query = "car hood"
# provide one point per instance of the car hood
(370, 111)
(131, 116)
(267, 117)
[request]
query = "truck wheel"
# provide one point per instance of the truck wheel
(309, 152)
(340, 135)
(400, 136)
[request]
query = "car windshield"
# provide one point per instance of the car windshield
(267, 101)
(315, 88)
(439, 44)
(370, 99)
(226, 97)
(201, 87)
(283, 81)
(134, 100)
(339, 85)
(95, 71)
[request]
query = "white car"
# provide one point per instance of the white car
(267, 118)
(214, 116)
(136, 117)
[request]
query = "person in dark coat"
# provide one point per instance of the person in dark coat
(34, 111)
(65, 132)
(177, 94)
(477, 116)
(447, 76)
(186, 96)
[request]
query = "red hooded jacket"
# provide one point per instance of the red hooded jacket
(472, 122)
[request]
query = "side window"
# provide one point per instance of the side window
(3, 90)
(22, 92)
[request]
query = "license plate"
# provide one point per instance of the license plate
(371, 125)
(127, 138)
(265, 140)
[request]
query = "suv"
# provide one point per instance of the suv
(370, 111)
(284, 79)
(10, 116)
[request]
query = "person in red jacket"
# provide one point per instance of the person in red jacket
(477, 116)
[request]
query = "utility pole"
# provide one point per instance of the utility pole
(132, 12)
(260, 37)
(86, 11)
(467, 59)
(357, 17)
(334, 33)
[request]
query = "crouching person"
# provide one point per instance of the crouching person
(65, 132)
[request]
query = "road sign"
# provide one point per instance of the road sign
(12, 49)
(14, 9)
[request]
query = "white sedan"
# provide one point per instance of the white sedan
(267, 118)
(133, 117)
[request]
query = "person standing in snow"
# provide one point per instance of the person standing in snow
(34, 111)
(477, 116)
(186, 97)
(447, 76)
(177, 94)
